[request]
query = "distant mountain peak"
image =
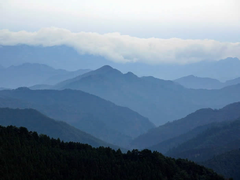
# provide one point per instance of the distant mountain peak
(106, 69)
(195, 78)
(130, 74)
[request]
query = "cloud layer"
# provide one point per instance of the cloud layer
(124, 48)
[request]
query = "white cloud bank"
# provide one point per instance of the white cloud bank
(123, 48)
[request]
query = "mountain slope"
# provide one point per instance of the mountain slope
(35, 121)
(227, 164)
(64, 76)
(233, 81)
(25, 155)
(101, 118)
(214, 141)
(168, 144)
(179, 127)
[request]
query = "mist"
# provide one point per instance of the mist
(123, 48)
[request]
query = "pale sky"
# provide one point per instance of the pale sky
(190, 29)
(204, 19)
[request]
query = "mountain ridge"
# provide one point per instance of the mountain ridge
(195, 82)
(179, 127)
(29, 74)
(36, 121)
(219, 139)
(56, 56)
(96, 116)
(151, 97)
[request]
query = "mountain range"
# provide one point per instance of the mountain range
(100, 118)
(205, 83)
(153, 98)
(219, 139)
(35, 121)
(208, 137)
(56, 57)
(223, 70)
(174, 133)
(198, 115)
(59, 57)
(28, 74)
(147, 95)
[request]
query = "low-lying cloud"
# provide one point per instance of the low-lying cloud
(124, 48)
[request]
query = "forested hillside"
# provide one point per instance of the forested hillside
(26, 155)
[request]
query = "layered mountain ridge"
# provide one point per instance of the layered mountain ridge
(56, 56)
(35, 121)
(151, 97)
(195, 82)
(101, 118)
(203, 118)
(29, 74)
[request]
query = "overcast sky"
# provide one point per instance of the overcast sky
(127, 30)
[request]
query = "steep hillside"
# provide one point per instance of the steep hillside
(89, 113)
(227, 164)
(179, 127)
(214, 141)
(35, 121)
(168, 144)
(25, 155)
